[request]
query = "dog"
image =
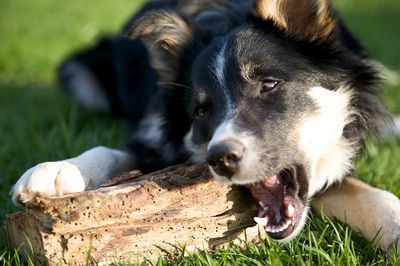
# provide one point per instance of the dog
(274, 95)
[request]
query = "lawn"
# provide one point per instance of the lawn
(38, 123)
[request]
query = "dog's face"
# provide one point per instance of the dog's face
(271, 104)
(267, 117)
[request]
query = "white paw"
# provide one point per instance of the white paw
(48, 179)
(388, 218)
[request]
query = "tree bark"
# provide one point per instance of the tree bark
(135, 217)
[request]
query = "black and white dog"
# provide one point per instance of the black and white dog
(275, 95)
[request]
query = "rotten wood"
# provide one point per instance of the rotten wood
(135, 217)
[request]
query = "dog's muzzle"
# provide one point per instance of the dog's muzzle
(278, 194)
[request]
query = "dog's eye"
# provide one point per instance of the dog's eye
(201, 112)
(268, 85)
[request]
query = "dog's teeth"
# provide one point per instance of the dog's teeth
(272, 229)
(286, 224)
(261, 221)
(290, 210)
(278, 228)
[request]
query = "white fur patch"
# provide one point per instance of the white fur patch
(321, 137)
(101, 163)
(89, 169)
(220, 66)
(220, 74)
(198, 153)
(85, 88)
(223, 132)
(150, 130)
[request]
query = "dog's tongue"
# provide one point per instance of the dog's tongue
(269, 194)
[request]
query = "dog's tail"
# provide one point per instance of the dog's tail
(115, 76)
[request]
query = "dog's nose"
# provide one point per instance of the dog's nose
(224, 157)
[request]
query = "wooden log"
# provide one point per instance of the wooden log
(135, 217)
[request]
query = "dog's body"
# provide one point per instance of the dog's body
(274, 95)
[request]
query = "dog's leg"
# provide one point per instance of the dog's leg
(366, 209)
(89, 169)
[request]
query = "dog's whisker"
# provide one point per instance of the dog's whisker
(175, 84)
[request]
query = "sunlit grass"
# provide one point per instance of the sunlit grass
(38, 123)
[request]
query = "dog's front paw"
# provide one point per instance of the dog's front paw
(48, 179)
(388, 219)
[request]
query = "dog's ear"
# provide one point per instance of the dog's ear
(165, 35)
(305, 20)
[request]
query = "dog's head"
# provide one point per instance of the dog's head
(281, 105)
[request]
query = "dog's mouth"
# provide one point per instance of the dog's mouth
(280, 209)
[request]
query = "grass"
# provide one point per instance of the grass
(38, 123)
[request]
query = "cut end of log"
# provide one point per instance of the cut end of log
(134, 217)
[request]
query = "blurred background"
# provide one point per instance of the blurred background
(39, 123)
